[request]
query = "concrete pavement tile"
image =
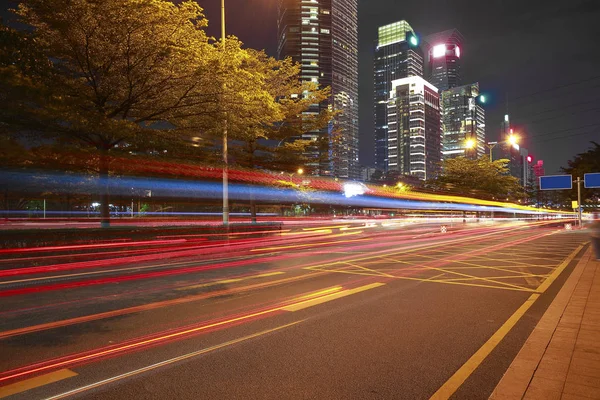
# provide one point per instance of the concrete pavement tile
(506, 396)
(586, 335)
(573, 325)
(547, 384)
(592, 344)
(580, 369)
(583, 380)
(524, 365)
(566, 330)
(565, 335)
(590, 355)
(549, 373)
(581, 390)
(590, 327)
(536, 393)
(566, 396)
(586, 362)
(557, 344)
(513, 384)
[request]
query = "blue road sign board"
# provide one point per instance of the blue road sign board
(592, 181)
(556, 182)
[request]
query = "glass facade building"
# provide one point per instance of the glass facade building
(322, 36)
(463, 120)
(414, 133)
(443, 58)
(397, 55)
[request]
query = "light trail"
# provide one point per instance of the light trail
(158, 338)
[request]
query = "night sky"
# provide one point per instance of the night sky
(541, 56)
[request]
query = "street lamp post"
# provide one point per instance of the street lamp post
(225, 157)
(491, 145)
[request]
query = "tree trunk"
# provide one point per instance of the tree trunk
(104, 193)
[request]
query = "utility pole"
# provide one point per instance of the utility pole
(225, 158)
(579, 202)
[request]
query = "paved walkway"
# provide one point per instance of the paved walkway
(561, 358)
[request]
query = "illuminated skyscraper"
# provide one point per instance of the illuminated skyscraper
(397, 55)
(463, 122)
(443, 58)
(414, 133)
(322, 35)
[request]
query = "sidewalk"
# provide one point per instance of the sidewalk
(561, 357)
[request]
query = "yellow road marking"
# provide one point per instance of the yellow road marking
(476, 359)
(320, 293)
(494, 277)
(449, 271)
(32, 383)
(517, 289)
(477, 266)
(317, 244)
(546, 284)
(459, 377)
(234, 280)
(170, 361)
(333, 296)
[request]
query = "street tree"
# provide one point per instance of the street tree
(478, 178)
(581, 164)
(120, 69)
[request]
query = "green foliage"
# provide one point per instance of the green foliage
(581, 164)
(478, 178)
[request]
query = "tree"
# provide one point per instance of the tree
(120, 67)
(581, 164)
(478, 178)
(263, 103)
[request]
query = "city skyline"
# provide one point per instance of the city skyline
(507, 53)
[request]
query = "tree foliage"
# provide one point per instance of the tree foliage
(478, 178)
(581, 164)
(142, 76)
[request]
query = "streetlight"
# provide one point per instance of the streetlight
(225, 161)
(491, 145)
(300, 171)
(512, 140)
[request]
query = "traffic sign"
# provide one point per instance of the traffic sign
(592, 181)
(556, 182)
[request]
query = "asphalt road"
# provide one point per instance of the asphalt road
(399, 311)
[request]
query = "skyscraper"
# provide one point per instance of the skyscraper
(510, 152)
(397, 55)
(414, 134)
(443, 58)
(463, 122)
(322, 35)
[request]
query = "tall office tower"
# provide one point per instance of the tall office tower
(322, 35)
(463, 122)
(512, 153)
(443, 58)
(397, 55)
(414, 134)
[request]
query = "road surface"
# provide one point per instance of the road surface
(347, 311)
